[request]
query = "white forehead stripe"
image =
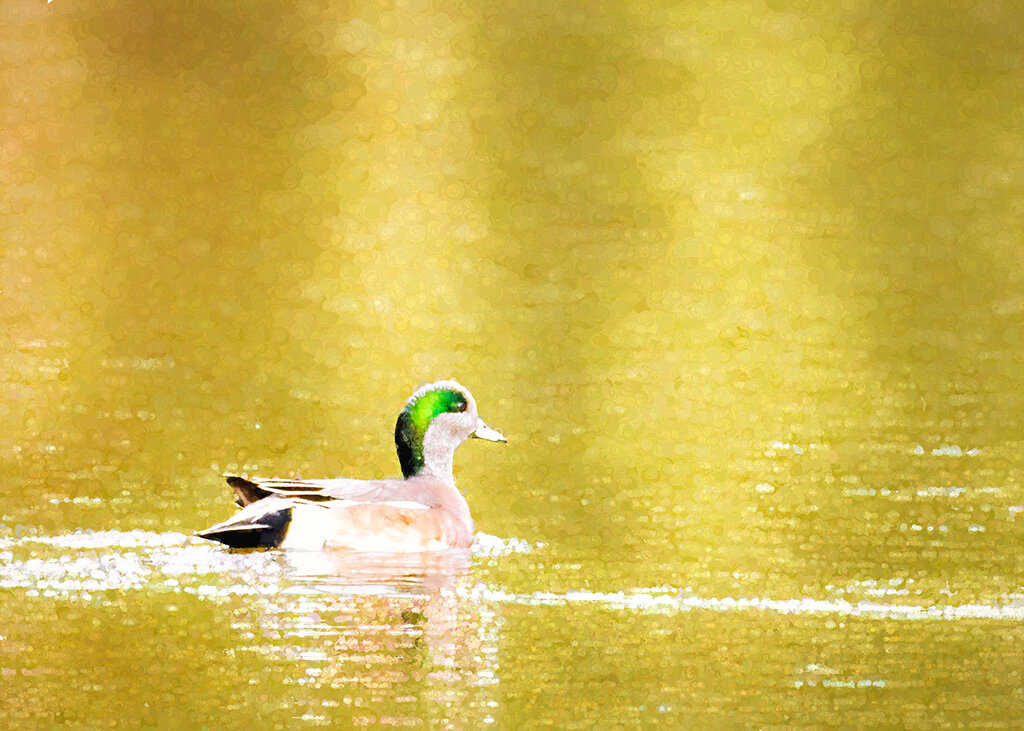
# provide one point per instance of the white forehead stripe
(445, 385)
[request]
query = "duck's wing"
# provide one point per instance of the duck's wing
(252, 489)
(262, 524)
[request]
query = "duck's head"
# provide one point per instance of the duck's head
(436, 419)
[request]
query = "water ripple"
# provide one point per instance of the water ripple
(178, 563)
(663, 600)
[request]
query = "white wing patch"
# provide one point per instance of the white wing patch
(408, 504)
(342, 504)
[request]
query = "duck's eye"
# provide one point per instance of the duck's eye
(461, 406)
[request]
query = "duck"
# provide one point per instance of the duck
(421, 511)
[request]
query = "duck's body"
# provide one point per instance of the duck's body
(423, 511)
(420, 513)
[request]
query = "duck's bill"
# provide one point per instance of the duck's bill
(485, 432)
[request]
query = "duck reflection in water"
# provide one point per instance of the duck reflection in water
(384, 639)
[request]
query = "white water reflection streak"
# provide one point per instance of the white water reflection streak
(96, 562)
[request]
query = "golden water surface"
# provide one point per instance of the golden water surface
(741, 281)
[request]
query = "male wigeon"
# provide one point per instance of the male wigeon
(423, 511)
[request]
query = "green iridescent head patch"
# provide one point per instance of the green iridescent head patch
(414, 421)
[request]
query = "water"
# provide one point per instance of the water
(740, 283)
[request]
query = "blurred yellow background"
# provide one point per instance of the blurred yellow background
(741, 281)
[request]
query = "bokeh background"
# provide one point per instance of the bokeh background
(741, 281)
